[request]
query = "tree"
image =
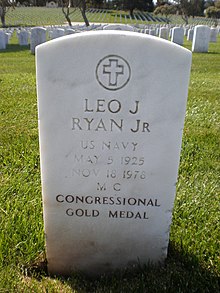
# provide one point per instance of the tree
(131, 5)
(97, 3)
(217, 4)
(5, 5)
(69, 7)
(197, 7)
(190, 8)
(165, 9)
(213, 11)
(209, 3)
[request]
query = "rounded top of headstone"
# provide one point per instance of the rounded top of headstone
(114, 36)
(202, 25)
(119, 27)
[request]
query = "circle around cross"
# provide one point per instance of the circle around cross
(113, 72)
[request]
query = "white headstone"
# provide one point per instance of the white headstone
(69, 31)
(201, 39)
(23, 37)
(164, 33)
(2, 40)
(38, 36)
(186, 29)
(57, 33)
(110, 144)
(177, 35)
(190, 34)
(119, 27)
(152, 32)
(213, 35)
(7, 38)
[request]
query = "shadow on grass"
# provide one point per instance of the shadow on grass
(12, 48)
(180, 273)
(211, 53)
(202, 53)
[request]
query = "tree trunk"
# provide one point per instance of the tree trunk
(185, 18)
(68, 20)
(132, 12)
(3, 19)
(83, 12)
(66, 14)
(85, 18)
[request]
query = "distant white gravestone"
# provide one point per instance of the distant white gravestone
(213, 35)
(201, 38)
(2, 40)
(190, 35)
(177, 35)
(164, 33)
(23, 37)
(38, 36)
(57, 33)
(119, 27)
(110, 141)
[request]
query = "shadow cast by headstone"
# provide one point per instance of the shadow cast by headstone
(181, 272)
(213, 53)
(12, 48)
(36, 269)
(208, 53)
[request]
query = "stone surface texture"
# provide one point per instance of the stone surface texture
(201, 38)
(177, 35)
(164, 33)
(213, 35)
(111, 115)
(23, 38)
(2, 40)
(38, 36)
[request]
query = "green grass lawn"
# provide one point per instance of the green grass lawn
(193, 263)
(40, 16)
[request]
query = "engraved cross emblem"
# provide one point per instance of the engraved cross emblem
(113, 69)
(113, 72)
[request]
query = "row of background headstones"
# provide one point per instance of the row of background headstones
(35, 36)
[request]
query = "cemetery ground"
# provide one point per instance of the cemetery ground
(193, 263)
(42, 16)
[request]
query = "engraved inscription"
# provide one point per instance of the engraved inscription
(71, 200)
(111, 164)
(111, 107)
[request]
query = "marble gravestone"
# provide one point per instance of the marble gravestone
(213, 35)
(190, 35)
(38, 36)
(110, 127)
(177, 35)
(152, 32)
(164, 33)
(120, 27)
(201, 38)
(57, 33)
(23, 37)
(2, 40)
